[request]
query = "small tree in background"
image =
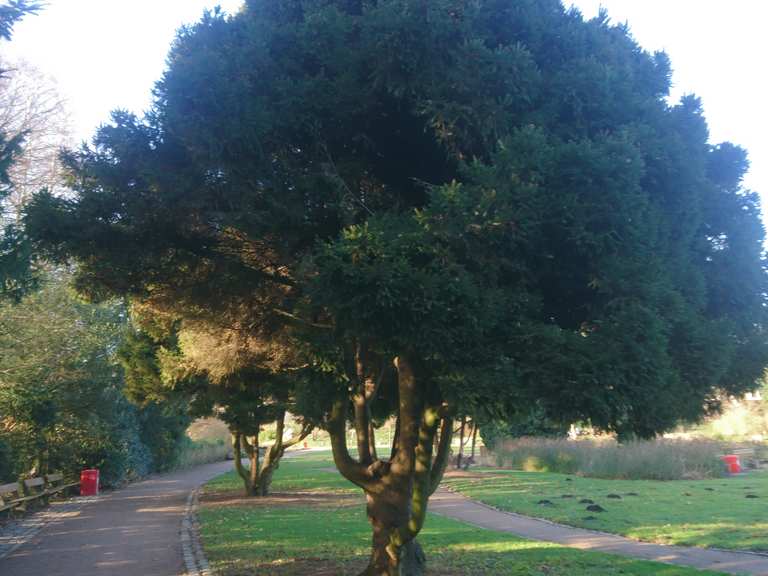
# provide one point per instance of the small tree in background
(216, 374)
(16, 273)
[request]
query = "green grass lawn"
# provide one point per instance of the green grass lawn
(315, 525)
(710, 513)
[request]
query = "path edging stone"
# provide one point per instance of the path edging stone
(592, 530)
(454, 504)
(194, 556)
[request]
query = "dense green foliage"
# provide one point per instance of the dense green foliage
(588, 220)
(61, 392)
(533, 423)
(494, 197)
(207, 372)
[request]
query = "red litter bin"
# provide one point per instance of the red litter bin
(732, 461)
(89, 482)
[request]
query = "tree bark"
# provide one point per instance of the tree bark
(397, 491)
(414, 561)
(237, 449)
(253, 457)
(461, 442)
(474, 441)
(372, 442)
(258, 478)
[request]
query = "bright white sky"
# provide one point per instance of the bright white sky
(107, 54)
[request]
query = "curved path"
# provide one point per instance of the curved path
(459, 507)
(134, 531)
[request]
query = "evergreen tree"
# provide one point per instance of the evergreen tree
(212, 372)
(447, 208)
(12, 12)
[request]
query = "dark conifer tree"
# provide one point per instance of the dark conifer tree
(452, 207)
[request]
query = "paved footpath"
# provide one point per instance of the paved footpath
(134, 531)
(461, 508)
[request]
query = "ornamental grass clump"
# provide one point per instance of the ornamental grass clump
(640, 460)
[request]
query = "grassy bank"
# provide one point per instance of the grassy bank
(315, 525)
(721, 513)
(643, 460)
(196, 452)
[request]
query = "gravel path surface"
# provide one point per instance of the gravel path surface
(139, 530)
(461, 508)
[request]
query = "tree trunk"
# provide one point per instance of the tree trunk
(461, 442)
(387, 513)
(414, 561)
(397, 490)
(237, 449)
(253, 457)
(258, 478)
(474, 441)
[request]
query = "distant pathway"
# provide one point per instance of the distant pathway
(459, 507)
(135, 531)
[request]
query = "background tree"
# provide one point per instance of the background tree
(447, 206)
(217, 373)
(15, 259)
(61, 391)
(246, 405)
(30, 105)
(34, 116)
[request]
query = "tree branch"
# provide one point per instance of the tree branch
(305, 431)
(443, 454)
(302, 320)
(409, 409)
(352, 470)
(422, 473)
(355, 366)
(238, 454)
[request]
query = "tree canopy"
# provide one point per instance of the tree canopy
(217, 372)
(446, 207)
(61, 392)
(12, 11)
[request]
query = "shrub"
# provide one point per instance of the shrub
(162, 429)
(201, 452)
(534, 423)
(7, 472)
(648, 460)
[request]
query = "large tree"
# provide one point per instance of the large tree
(449, 207)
